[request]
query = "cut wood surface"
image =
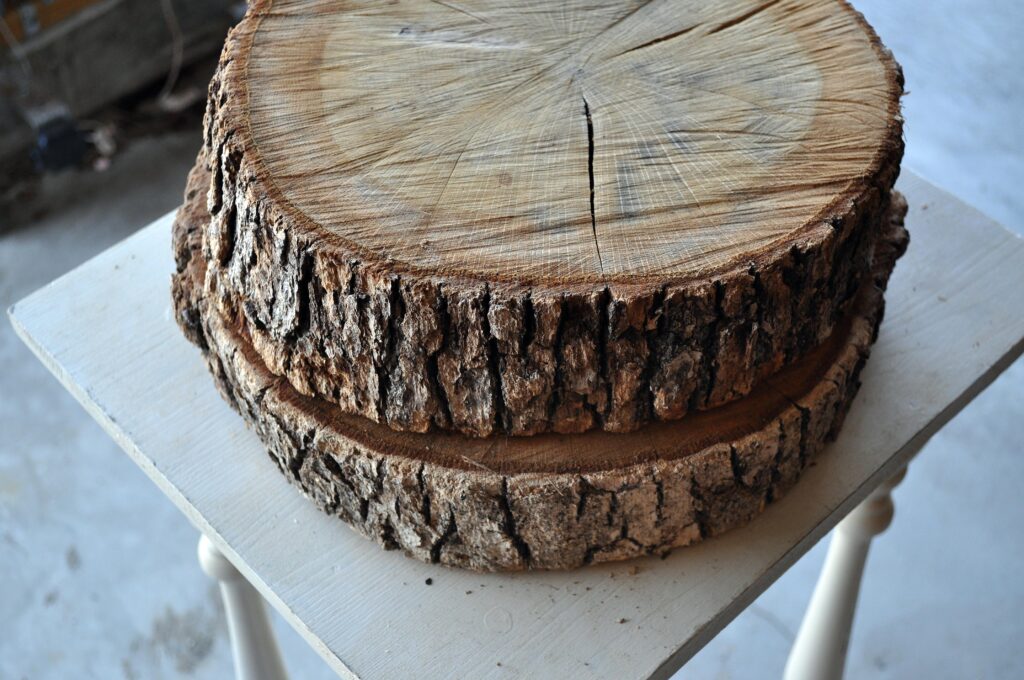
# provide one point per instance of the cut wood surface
(550, 501)
(525, 217)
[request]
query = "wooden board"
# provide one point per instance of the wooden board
(518, 218)
(957, 291)
(548, 501)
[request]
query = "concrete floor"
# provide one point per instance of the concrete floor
(97, 571)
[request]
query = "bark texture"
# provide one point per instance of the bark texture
(479, 519)
(420, 351)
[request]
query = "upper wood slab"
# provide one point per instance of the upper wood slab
(526, 218)
(571, 141)
(107, 333)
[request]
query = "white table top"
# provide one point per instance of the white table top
(955, 320)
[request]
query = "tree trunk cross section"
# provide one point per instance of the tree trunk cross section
(526, 218)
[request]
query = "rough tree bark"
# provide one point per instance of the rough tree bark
(550, 501)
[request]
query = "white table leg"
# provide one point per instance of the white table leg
(253, 646)
(819, 652)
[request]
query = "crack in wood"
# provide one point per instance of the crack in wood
(433, 374)
(529, 325)
(761, 336)
(805, 421)
(657, 41)
(331, 465)
(584, 491)
(301, 453)
(700, 510)
(558, 351)
(714, 342)
(743, 17)
(501, 421)
(389, 361)
(449, 532)
(387, 538)
(737, 466)
(508, 525)
(424, 495)
(590, 173)
(655, 313)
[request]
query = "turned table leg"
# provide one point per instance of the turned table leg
(252, 640)
(819, 652)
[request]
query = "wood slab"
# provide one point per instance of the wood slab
(520, 218)
(955, 293)
(549, 501)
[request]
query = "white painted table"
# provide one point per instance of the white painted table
(106, 331)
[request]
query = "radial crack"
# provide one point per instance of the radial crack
(743, 17)
(657, 41)
(590, 173)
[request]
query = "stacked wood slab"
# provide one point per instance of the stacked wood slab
(384, 294)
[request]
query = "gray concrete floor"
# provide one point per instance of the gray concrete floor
(97, 571)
